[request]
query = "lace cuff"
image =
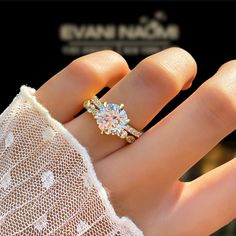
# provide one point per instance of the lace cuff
(48, 185)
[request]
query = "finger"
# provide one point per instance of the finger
(144, 91)
(64, 93)
(199, 123)
(166, 151)
(209, 200)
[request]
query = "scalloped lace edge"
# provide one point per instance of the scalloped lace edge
(28, 93)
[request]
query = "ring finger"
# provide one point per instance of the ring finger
(144, 91)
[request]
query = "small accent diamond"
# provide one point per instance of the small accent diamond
(90, 108)
(133, 131)
(123, 134)
(130, 139)
(86, 103)
(97, 102)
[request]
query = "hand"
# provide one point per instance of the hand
(142, 178)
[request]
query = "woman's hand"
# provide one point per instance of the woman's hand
(142, 178)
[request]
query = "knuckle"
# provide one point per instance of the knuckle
(83, 68)
(158, 74)
(180, 52)
(112, 55)
(82, 65)
(185, 62)
(95, 66)
(171, 68)
(118, 60)
(227, 65)
(219, 102)
(105, 57)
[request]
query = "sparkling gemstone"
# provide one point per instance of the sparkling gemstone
(130, 139)
(86, 103)
(91, 108)
(123, 134)
(111, 119)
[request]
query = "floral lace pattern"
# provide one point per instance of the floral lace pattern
(48, 185)
(41, 223)
(48, 134)
(47, 179)
(82, 227)
(9, 140)
(6, 181)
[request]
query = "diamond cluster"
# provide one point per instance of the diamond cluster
(111, 119)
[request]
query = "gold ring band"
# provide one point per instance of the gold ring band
(112, 119)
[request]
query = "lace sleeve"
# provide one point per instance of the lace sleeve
(48, 185)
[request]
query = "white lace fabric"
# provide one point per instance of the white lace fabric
(48, 185)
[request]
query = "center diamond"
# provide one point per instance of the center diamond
(112, 119)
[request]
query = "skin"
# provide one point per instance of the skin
(142, 179)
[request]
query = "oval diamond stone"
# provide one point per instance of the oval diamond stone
(111, 119)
